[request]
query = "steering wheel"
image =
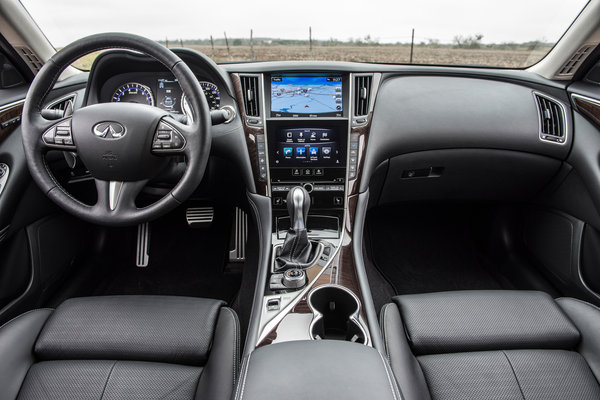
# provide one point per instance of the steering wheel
(123, 145)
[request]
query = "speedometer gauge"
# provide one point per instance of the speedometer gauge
(133, 92)
(213, 97)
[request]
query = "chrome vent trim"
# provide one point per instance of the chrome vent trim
(362, 94)
(251, 94)
(552, 119)
(65, 104)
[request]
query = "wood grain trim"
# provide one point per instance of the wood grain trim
(250, 133)
(589, 108)
(8, 114)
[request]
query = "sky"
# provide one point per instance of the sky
(64, 21)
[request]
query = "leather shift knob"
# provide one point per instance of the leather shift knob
(298, 204)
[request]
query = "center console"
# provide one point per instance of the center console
(306, 139)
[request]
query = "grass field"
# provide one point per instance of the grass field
(445, 55)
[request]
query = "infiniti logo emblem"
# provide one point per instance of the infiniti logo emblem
(109, 130)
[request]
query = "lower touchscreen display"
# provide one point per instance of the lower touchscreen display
(307, 147)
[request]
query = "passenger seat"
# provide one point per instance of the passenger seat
(475, 345)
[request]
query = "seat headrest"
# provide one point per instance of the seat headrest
(140, 328)
(450, 322)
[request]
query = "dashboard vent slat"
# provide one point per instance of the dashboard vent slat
(250, 93)
(569, 68)
(64, 106)
(30, 58)
(552, 119)
(362, 88)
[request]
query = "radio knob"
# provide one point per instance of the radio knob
(309, 187)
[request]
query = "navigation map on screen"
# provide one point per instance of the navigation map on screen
(306, 94)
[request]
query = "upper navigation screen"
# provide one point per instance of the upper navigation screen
(306, 95)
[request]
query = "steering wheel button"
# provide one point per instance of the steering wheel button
(58, 140)
(49, 136)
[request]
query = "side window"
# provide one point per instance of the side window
(9, 76)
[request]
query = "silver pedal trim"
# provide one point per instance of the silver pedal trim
(199, 215)
(142, 254)
(237, 252)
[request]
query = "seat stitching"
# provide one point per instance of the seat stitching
(245, 376)
(580, 301)
(514, 373)
(236, 344)
(385, 335)
(24, 314)
(387, 373)
(107, 379)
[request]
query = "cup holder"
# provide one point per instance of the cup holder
(336, 313)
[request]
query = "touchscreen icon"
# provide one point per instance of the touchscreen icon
(287, 151)
(313, 151)
(300, 152)
(326, 151)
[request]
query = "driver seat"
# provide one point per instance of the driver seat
(121, 347)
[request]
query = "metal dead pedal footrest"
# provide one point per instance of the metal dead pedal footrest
(239, 234)
(142, 253)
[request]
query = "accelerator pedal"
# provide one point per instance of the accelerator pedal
(239, 235)
(142, 253)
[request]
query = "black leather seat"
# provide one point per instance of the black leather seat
(121, 347)
(493, 345)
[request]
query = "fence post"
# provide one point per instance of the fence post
(212, 46)
(412, 45)
(252, 45)
(310, 41)
(227, 44)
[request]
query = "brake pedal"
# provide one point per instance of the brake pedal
(198, 217)
(239, 234)
(142, 254)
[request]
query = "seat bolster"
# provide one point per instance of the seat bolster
(481, 320)
(17, 339)
(404, 365)
(586, 318)
(220, 373)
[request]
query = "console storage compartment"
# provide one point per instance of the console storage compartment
(316, 370)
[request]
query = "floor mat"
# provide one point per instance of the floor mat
(183, 262)
(428, 248)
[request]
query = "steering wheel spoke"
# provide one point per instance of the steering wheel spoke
(59, 136)
(118, 196)
(171, 137)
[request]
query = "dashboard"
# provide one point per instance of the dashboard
(325, 126)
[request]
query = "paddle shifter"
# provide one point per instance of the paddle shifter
(296, 250)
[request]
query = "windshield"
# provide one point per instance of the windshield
(507, 33)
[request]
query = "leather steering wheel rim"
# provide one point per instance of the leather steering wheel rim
(123, 211)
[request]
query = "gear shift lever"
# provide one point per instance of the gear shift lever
(296, 249)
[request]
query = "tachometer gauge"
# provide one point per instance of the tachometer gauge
(133, 92)
(213, 97)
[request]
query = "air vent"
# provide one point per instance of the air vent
(575, 61)
(362, 90)
(552, 119)
(30, 58)
(63, 107)
(251, 95)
